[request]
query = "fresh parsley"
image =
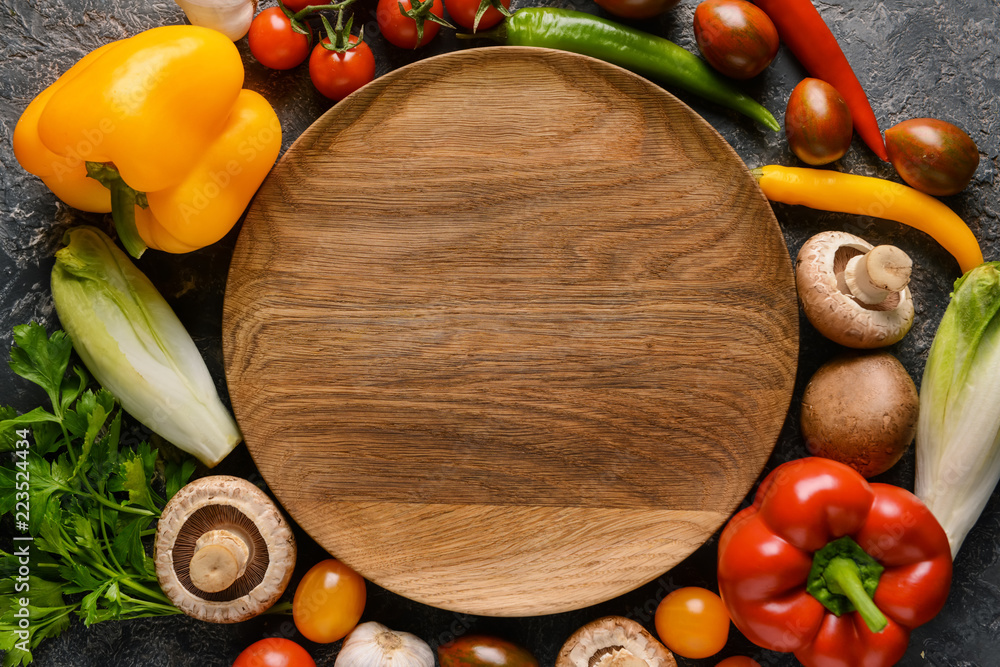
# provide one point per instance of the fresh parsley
(88, 502)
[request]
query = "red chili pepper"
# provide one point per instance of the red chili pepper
(832, 568)
(803, 30)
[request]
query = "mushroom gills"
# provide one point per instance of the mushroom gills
(223, 551)
(196, 553)
(614, 641)
(615, 656)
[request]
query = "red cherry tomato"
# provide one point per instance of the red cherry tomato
(402, 30)
(738, 661)
(692, 622)
(274, 652)
(328, 602)
(463, 12)
(299, 5)
(736, 38)
(273, 42)
(932, 155)
(817, 122)
(337, 75)
(637, 9)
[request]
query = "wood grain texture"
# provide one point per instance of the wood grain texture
(510, 331)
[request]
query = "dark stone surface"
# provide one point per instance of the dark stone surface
(915, 58)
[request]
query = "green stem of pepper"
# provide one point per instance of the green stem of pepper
(641, 52)
(123, 202)
(843, 578)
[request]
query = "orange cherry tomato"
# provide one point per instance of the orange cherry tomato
(738, 661)
(328, 602)
(692, 622)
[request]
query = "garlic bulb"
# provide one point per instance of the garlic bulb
(230, 17)
(374, 645)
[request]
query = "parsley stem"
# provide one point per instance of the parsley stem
(128, 509)
(166, 608)
(107, 542)
(90, 489)
(149, 592)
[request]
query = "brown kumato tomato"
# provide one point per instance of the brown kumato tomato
(817, 123)
(932, 156)
(735, 37)
(484, 651)
(636, 9)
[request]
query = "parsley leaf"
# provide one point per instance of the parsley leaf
(40, 358)
(92, 503)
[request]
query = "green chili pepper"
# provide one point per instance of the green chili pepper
(641, 52)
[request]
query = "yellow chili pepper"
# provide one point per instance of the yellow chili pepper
(157, 130)
(863, 195)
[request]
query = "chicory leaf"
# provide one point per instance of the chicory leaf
(132, 342)
(958, 433)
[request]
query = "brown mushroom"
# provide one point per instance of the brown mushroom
(614, 641)
(853, 293)
(861, 410)
(223, 551)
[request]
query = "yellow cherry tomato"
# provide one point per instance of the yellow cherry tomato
(693, 622)
(328, 602)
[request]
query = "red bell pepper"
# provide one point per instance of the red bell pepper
(805, 32)
(832, 568)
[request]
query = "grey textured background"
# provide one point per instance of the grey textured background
(915, 58)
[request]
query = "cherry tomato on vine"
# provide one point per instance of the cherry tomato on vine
(464, 13)
(636, 9)
(273, 42)
(274, 652)
(299, 5)
(402, 30)
(338, 74)
(328, 602)
(692, 622)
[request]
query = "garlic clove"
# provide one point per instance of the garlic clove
(230, 17)
(372, 644)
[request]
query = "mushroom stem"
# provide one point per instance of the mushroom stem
(220, 558)
(881, 271)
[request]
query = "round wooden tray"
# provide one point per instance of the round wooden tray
(510, 331)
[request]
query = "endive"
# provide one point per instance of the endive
(132, 342)
(958, 432)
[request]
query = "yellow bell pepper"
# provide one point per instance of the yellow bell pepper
(864, 195)
(157, 130)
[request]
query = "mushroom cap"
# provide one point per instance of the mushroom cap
(206, 504)
(861, 409)
(834, 312)
(614, 641)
